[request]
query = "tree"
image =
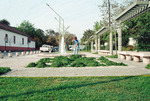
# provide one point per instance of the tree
(37, 34)
(98, 25)
(27, 28)
(87, 34)
(138, 28)
(4, 21)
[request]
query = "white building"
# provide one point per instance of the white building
(12, 39)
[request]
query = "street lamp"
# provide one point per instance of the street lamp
(5, 39)
(62, 25)
(60, 18)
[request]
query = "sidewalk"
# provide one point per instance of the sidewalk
(17, 64)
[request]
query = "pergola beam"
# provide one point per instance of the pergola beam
(132, 11)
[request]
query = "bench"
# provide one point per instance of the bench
(137, 56)
(105, 52)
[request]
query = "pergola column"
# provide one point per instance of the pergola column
(119, 39)
(99, 44)
(92, 46)
(96, 43)
(111, 43)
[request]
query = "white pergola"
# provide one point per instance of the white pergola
(137, 8)
(133, 11)
(102, 31)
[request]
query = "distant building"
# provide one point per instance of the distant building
(12, 39)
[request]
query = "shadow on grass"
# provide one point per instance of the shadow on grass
(65, 87)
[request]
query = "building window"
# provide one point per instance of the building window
(6, 38)
(23, 41)
(14, 39)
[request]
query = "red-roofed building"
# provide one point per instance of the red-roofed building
(12, 39)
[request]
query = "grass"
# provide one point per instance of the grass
(75, 89)
(147, 66)
(112, 56)
(4, 70)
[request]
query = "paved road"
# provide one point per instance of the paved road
(18, 64)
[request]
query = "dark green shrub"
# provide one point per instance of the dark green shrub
(77, 64)
(74, 57)
(112, 56)
(84, 61)
(46, 60)
(110, 63)
(57, 64)
(41, 65)
(32, 64)
(4, 70)
(147, 66)
(61, 61)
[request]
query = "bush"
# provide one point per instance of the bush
(4, 70)
(84, 61)
(41, 65)
(147, 66)
(57, 64)
(60, 61)
(32, 64)
(112, 56)
(46, 60)
(110, 63)
(77, 64)
(74, 57)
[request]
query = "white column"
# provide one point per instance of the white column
(99, 44)
(92, 46)
(111, 44)
(119, 39)
(96, 43)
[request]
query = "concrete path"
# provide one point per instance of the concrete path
(17, 64)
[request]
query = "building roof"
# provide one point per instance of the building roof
(14, 30)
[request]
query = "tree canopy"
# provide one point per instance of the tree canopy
(4, 21)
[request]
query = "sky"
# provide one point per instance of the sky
(80, 15)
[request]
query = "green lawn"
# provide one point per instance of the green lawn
(75, 89)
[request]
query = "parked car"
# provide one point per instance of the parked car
(46, 48)
(56, 49)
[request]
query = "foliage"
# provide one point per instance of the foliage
(95, 53)
(131, 88)
(110, 63)
(4, 70)
(37, 34)
(98, 25)
(32, 64)
(4, 21)
(41, 65)
(138, 28)
(84, 61)
(74, 57)
(147, 66)
(46, 60)
(60, 61)
(87, 34)
(112, 56)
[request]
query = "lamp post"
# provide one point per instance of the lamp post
(5, 39)
(60, 18)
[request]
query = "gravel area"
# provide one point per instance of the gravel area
(17, 64)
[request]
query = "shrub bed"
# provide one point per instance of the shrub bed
(147, 66)
(110, 63)
(4, 70)
(74, 61)
(112, 56)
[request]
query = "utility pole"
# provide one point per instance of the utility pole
(111, 35)
(109, 13)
